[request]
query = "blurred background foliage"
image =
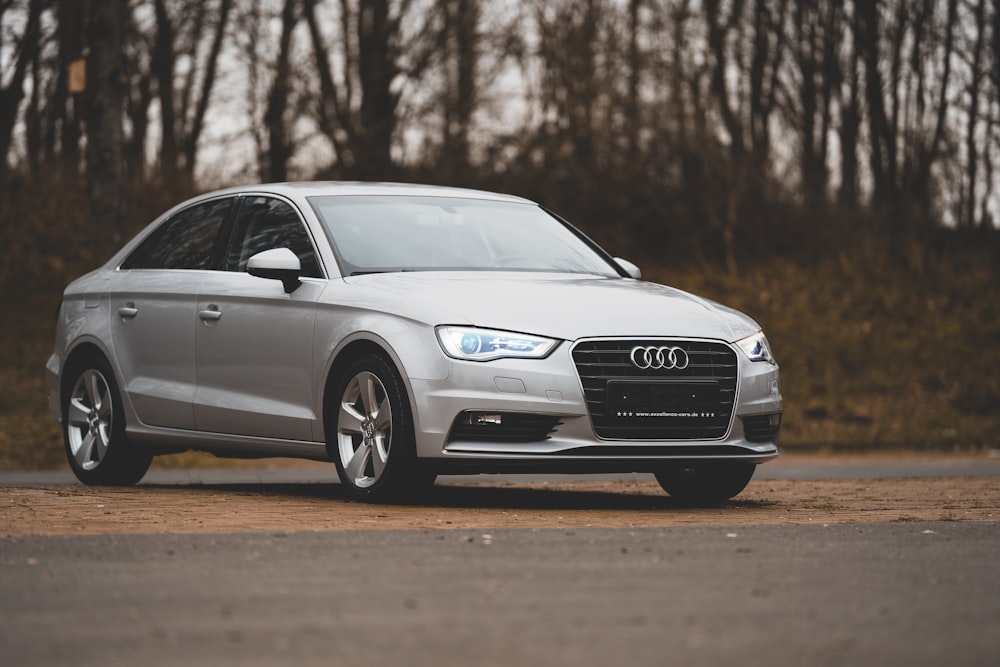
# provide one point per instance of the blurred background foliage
(827, 166)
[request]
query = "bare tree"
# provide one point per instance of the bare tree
(106, 187)
(138, 50)
(972, 123)
(64, 116)
(357, 110)
(279, 147)
(184, 100)
(461, 44)
(817, 69)
(12, 92)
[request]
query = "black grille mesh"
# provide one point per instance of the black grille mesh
(694, 403)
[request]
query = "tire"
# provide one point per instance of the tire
(93, 425)
(711, 482)
(373, 443)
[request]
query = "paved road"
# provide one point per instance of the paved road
(890, 594)
(906, 593)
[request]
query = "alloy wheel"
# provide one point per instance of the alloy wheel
(89, 419)
(364, 429)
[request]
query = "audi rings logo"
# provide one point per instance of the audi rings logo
(666, 358)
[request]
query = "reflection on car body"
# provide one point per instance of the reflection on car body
(403, 332)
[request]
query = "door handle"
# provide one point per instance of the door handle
(128, 311)
(210, 314)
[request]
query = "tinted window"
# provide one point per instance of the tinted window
(265, 223)
(185, 241)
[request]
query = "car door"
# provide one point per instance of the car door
(153, 299)
(254, 352)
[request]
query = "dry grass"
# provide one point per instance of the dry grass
(29, 437)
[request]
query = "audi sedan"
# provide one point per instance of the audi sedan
(403, 332)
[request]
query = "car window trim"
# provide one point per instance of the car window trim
(243, 197)
(165, 219)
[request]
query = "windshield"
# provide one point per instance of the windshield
(374, 234)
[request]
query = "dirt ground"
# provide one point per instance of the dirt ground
(283, 508)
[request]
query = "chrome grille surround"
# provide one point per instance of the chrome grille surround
(626, 402)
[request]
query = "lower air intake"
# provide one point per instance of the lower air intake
(502, 427)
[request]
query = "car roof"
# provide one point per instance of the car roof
(346, 188)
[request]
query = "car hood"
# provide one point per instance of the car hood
(562, 306)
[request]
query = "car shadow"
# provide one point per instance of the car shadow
(479, 496)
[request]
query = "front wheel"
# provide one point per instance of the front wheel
(94, 428)
(706, 482)
(373, 445)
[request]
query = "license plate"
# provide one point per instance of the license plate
(663, 400)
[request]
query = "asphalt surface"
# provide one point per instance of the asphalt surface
(904, 593)
(887, 594)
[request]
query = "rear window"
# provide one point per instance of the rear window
(185, 241)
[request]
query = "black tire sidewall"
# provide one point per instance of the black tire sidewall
(711, 482)
(394, 483)
(124, 464)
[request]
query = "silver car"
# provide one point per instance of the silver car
(403, 332)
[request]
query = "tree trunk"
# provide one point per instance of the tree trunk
(867, 33)
(850, 125)
(105, 136)
(971, 147)
(466, 59)
(333, 107)
(12, 95)
(278, 148)
(66, 110)
(635, 64)
(163, 63)
(197, 122)
(377, 68)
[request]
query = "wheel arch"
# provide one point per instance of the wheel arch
(91, 347)
(350, 351)
(83, 350)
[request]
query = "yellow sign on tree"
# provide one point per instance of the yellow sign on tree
(78, 75)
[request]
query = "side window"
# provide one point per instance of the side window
(185, 241)
(265, 223)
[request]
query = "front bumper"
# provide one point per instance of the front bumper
(53, 372)
(553, 387)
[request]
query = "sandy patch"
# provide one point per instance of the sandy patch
(80, 510)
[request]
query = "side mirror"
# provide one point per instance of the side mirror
(277, 264)
(631, 269)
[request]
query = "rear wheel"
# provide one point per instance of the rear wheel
(94, 428)
(706, 482)
(373, 445)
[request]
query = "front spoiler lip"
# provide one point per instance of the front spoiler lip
(638, 454)
(465, 463)
(756, 456)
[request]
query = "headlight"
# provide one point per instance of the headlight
(475, 344)
(757, 348)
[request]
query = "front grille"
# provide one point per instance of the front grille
(629, 403)
(759, 428)
(502, 427)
